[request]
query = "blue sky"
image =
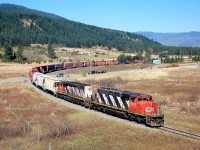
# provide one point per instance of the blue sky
(125, 15)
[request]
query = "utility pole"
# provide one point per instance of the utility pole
(90, 66)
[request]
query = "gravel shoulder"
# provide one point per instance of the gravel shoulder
(13, 80)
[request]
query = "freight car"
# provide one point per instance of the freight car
(51, 68)
(68, 65)
(78, 65)
(55, 67)
(44, 69)
(59, 66)
(100, 63)
(31, 72)
(50, 84)
(38, 79)
(111, 62)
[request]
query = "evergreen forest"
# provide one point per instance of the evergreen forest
(27, 27)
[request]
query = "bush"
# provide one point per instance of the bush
(38, 61)
(60, 127)
(189, 104)
(172, 65)
(19, 128)
(83, 74)
(1, 56)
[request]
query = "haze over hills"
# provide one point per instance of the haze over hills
(23, 25)
(188, 39)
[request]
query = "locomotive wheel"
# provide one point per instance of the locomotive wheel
(104, 110)
(130, 118)
(93, 107)
(86, 104)
(78, 102)
(56, 95)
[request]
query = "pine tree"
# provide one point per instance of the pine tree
(149, 52)
(51, 52)
(8, 53)
(19, 52)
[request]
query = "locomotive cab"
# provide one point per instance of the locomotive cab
(144, 105)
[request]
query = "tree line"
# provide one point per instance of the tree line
(164, 56)
(26, 29)
(10, 55)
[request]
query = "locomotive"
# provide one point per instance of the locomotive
(130, 105)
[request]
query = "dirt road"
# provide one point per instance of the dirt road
(13, 80)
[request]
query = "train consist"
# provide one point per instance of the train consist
(133, 106)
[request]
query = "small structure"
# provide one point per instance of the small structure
(156, 61)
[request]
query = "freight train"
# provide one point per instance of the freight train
(130, 105)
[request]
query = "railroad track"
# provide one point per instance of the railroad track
(179, 132)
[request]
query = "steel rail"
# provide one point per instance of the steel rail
(179, 132)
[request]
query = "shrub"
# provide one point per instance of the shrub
(59, 127)
(83, 74)
(19, 128)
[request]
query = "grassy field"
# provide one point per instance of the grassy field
(30, 121)
(12, 70)
(175, 89)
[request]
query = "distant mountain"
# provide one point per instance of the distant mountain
(27, 26)
(188, 39)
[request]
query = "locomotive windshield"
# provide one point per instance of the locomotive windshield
(145, 99)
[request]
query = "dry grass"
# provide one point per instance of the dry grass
(175, 89)
(24, 114)
(11, 70)
(65, 128)
(32, 121)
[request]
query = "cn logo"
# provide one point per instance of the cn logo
(149, 109)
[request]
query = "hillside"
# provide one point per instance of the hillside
(21, 9)
(22, 25)
(188, 39)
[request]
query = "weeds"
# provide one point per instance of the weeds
(189, 104)
(60, 126)
(18, 128)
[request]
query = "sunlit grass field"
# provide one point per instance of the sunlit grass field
(31, 121)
